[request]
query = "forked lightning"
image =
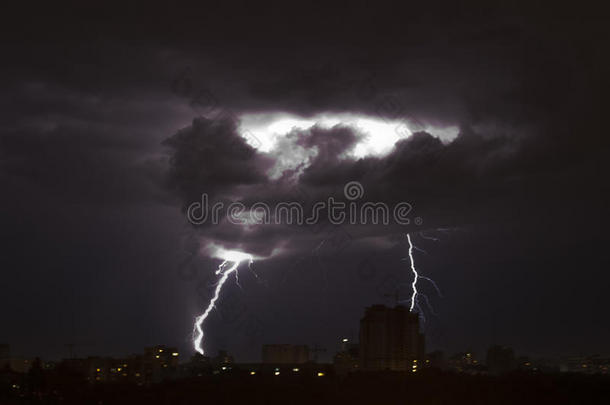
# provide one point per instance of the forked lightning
(234, 258)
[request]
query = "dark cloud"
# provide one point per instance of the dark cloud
(210, 156)
(477, 179)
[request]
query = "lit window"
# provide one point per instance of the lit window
(175, 354)
(296, 370)
(252, 372)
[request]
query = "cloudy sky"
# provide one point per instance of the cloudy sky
(490, 121)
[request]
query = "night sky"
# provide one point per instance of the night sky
(115, 120)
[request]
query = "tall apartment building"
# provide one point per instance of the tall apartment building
(390, 339)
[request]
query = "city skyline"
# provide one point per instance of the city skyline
(390, 350)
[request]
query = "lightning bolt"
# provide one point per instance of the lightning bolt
(414, 301)
(415, 275)
(235, 258)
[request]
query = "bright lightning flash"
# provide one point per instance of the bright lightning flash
(415, 275)
(415, 294)
(231, 261)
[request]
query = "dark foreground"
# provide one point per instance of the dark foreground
(381, 388)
